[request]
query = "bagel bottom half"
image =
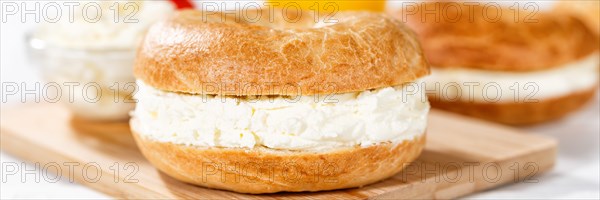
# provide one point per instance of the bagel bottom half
(264, 170)
(519, 113)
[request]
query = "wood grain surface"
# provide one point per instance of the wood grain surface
(462, 156)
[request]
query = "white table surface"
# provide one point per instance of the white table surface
(576, 175)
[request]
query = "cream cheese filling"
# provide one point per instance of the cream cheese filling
(315, 123)
(492, 86)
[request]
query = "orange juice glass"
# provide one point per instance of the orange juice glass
(332, 5)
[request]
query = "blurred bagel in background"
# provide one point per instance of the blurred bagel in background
(510, 66)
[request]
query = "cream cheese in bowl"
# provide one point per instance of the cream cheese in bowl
(91, 55)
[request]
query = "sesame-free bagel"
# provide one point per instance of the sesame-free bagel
(278, 53)
(498, 38)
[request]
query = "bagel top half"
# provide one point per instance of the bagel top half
(497, 38)
(212, 53)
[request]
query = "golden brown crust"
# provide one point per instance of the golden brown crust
(587, 11)
(263, 170)
(362, 51)
(519, 113)
(532, 41)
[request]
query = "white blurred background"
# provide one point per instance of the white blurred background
(576, 175)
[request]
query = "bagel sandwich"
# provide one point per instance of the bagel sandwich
(273, 105)
(504, 65)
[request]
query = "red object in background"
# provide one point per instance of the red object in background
(183, 4)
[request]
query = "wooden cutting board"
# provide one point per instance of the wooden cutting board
(462, 156)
